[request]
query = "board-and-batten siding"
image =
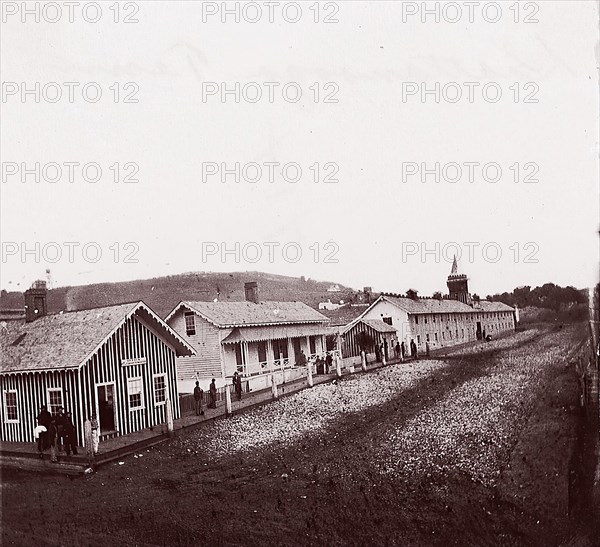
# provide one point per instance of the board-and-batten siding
(134, 339)
(207, 343)
(32, 393)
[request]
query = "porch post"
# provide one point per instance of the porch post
(270, 355)
(169, 413)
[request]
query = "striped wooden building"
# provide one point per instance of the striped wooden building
(367, 334)
(117, 361)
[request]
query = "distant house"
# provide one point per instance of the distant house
(251, 337)
(334, 288)
(329, 305)
(118, 362)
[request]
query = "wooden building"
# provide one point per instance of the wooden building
(253, 338)
(367, 334)
(118, 362)
(438, 322)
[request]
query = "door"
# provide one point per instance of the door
(296, 346)
(478, 332)
(106, 407)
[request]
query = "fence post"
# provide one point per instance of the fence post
(309, 375)
(169, 413)
(273, 386)
(89, 442)
(363, 360)
(228, 408)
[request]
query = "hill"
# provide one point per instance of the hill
(163, 293)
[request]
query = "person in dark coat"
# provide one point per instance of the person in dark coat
(398, 350)
(213, 395)
(328, 363)
(198, 394)
(69, 435)
(413, 349)
(237, 384)
(59, 421)
(402, 350)
(44, 418)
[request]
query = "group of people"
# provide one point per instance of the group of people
(401, 350)
(323, 366)
(55, 432)
(212, 394)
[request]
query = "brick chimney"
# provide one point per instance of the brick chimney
(35, 301)
(251, 290)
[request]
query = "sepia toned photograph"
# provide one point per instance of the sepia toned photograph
(300, 273)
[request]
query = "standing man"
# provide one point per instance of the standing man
(213, 394)
(60, 428)
(398, 350)
(328, 362)
(413, 349)
(198, 394)
(69, 435)
(95, 433)
(237, 380)
(44, 418)
(402, 350)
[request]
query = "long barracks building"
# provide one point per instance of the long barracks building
(454, 319)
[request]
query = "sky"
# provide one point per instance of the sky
(338, 127)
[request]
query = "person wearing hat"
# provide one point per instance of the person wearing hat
(69, 434)
(198, 399)
(213, 394)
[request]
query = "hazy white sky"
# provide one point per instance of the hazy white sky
(376, 224)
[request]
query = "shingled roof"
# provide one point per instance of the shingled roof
(68, 340)
(238, 314)
(432, 305)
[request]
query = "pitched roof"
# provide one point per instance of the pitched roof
(238, 314)
(432, 305)
(68, 340)
(376, 324)
(429, 305)
(275, 332)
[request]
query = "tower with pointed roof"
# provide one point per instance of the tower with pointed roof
(458, 285)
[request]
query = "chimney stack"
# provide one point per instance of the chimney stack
(35, 301)
(251, 290)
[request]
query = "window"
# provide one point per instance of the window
(427, 337)
(416, 319)
(435, 336)
(135, 393)
(11, 413)
(160, 389)
(387, 320)
(418, 338)
(190, 323)
(426, 320)
(55, 400)
(313, 345)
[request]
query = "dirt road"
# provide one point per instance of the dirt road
(474, 451)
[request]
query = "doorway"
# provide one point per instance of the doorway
(106, 407)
